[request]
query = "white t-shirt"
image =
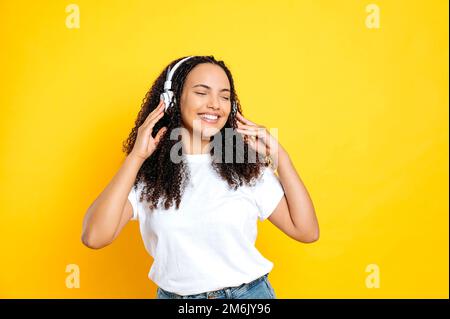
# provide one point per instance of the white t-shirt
(208, 243)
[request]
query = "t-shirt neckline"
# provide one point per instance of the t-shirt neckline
(198, 158)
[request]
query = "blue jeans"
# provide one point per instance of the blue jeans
(259, 288)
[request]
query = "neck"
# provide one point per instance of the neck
(194, 144)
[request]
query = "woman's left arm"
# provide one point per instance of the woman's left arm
(295, 214)
(299, 203)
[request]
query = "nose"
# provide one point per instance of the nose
(214, 103)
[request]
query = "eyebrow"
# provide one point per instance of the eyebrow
(207, 87)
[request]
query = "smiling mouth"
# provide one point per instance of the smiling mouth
(209, 118)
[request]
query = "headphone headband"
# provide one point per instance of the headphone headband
(171, 72)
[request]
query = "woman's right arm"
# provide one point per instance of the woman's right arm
(105, 217)
(105, 213)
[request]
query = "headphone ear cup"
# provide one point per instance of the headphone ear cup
(166, 98)
(169, 98)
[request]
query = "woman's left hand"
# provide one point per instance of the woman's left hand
(258, 137)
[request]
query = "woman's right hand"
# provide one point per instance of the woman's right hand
(145, 144)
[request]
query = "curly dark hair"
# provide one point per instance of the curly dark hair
(167, 180)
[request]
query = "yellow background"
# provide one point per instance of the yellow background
(362, 112)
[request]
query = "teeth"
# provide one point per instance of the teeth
(209, 117)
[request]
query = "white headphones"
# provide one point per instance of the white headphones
(167, 95)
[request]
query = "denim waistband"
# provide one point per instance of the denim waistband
(215, 293)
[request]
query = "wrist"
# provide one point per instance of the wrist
(282, 154)
(278, 155)
(135, 159)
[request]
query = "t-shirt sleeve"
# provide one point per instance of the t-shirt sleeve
(267, 193)
(133, 198)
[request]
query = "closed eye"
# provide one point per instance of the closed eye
(225, 98)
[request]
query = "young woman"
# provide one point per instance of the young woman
(197, 209)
